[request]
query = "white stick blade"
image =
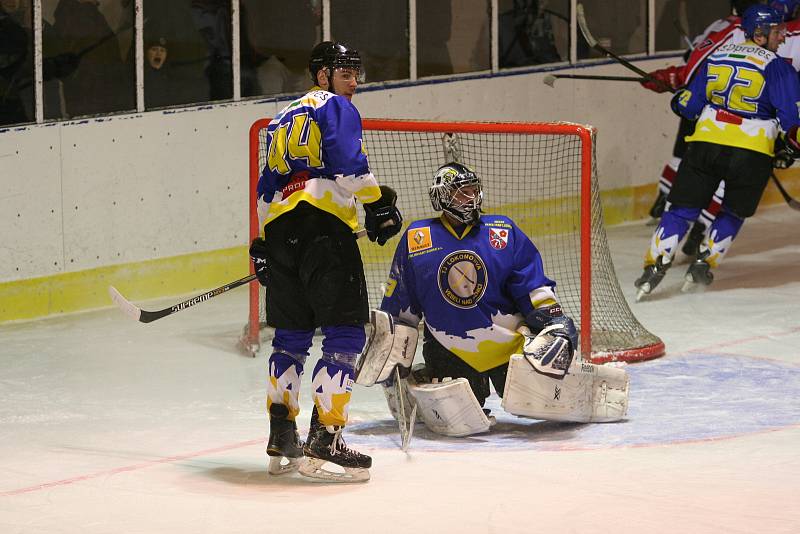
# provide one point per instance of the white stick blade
(124, 304)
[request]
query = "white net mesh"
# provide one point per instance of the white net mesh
(535, 174)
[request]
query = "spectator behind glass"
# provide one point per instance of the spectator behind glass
(168, 82)
(13, 54)
(102, 82)
(526, 35)
(281, 56)
(212, 18)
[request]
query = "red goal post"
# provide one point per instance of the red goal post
(542, 175)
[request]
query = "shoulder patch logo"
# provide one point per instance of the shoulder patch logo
(498, 238)
(419, 239)
(462, 278)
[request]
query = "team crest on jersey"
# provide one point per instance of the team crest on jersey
(498, 238)
(419, 239)
(462, 278)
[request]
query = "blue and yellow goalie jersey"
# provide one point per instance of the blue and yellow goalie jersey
(740, 97)
(472, 289)
(316, 154)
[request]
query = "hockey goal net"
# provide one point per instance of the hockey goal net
(542, 175)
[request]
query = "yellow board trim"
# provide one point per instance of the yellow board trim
(85, 290)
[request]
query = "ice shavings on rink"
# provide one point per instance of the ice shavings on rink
(673, 400)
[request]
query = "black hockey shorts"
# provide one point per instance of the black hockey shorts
(704, 165)
(685, 128)
(314, 269)
(441, 363)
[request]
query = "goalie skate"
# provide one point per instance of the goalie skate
(325, 445)
(651, 277)
(284, 447)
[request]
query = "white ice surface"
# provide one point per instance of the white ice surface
(108, 425)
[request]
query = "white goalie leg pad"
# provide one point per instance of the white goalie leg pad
(450, 408)
(589, 393)
(389, 344)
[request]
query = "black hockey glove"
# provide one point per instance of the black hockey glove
(258, 253)
(541, 318)
(383, 219)
(783, 158)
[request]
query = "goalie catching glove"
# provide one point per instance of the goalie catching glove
(551, 350)
(383, 220)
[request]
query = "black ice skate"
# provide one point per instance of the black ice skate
(325, 444)
(699, 273)
(284, 442)
(691, 247)
(651, 277)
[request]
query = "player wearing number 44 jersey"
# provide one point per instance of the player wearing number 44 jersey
(742, 98)
(309, 261)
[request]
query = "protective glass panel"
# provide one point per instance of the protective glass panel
(452, 36)
(276, 39)
(379, 31)
(618, 25)
(87, 50)
(533, 32)
(16, 63)
(678, 22)
(187, 47)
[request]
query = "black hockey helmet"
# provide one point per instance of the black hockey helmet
(332, 55)
(448, 181)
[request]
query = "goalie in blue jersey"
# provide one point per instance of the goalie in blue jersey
(478, 283)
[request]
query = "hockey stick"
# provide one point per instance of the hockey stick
(550, 79)
(144, 316)
(406, 423)
(794, 204)
(592, 42)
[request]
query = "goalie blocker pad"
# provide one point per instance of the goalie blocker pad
(448, 407)
(587, 394)
(389, 344)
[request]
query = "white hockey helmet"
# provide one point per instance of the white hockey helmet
(456, 190)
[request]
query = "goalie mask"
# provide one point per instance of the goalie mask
(457, 191)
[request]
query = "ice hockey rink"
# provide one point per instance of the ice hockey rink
(109, 425)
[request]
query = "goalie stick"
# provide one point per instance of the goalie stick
(550, 79)
(406, 423)
(144, 316)
(592, 42)
(794, 204)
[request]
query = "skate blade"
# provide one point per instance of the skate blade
(313, 468)
(644, 290)
(278, 467)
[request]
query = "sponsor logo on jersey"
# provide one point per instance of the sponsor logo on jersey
(498, 238)
(419, 239)
(296, 183)
(462, 278)
(705, 44)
